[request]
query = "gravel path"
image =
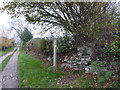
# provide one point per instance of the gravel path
(2, 58)
(9, 76)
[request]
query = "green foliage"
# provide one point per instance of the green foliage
(106, 75)
(60, 69)
(64, 45)
(51, 68)
(110, 53)
(75, 72)
(40, 45)
(84, 24)
(46, 46)
(103, 75)
(33, 73)
(117, 84)
(114, 49)
(82, 82)
(26, 36)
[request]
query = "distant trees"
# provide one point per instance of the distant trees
(26, 36)
(6, 43)
(22, 29)
(17, 25)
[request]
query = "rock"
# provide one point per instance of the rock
(71, 58)
(105, 69)
(65, 59)
(84, 62)
(79, 62)
(82, 59)
(71, 66)
(69, 62)
(63, 65)
(80, 48)
(98, 59)
(95, 73)
(79, 54)
(85, 56)
(87, 69)
(74, 64)
(76, 58)
(76, 69)
(49, 59)
(88, 59)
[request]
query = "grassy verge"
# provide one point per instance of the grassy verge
(82, 82)
(32, 73)
(4, 63)
(6, 51)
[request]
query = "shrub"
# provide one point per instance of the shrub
(40, 45)
(64, 45)
(113, 50)
(112, 53)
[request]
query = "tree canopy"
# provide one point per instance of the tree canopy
(85, 21)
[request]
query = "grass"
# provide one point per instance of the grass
(4, 63)
(86, 81)
(82, 82)
(33, 74)
(6, 51)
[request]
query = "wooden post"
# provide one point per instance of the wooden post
(54, 55)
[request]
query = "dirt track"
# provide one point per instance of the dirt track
(2, 58)
(10, 73)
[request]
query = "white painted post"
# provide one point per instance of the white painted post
(54, 55)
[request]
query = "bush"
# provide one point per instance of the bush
(40, 45)
(64, 45)
(112, 53)
(113, 50)
(46, 46)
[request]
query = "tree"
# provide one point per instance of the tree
(77, 18)
(26, 36)
(87, 22)
(18, 26)
(4, 32)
